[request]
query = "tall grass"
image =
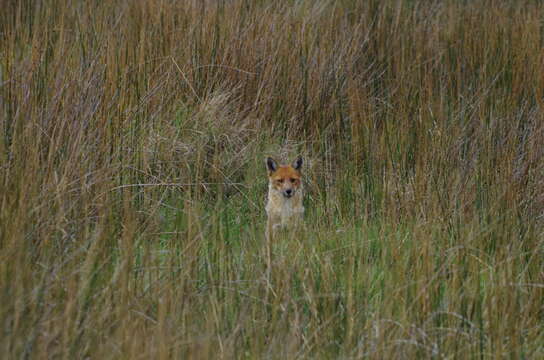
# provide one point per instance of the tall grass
(132, 180)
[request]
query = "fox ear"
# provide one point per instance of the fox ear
(271, 164)
(297, 164)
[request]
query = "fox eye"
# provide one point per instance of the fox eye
(280, 181)
(293, 180)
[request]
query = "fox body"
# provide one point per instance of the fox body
(284, 207)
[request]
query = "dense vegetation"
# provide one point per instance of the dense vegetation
(132, 179)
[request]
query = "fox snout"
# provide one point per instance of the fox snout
(288, 193)
(286, 187)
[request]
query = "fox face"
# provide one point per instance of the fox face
(285, 178)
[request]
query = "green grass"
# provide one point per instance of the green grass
(133, 183)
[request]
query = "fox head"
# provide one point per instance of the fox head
(285, 178)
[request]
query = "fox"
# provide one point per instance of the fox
(285, 194)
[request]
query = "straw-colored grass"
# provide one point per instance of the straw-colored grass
(132, 179)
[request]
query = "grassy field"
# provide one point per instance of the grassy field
(132, 179)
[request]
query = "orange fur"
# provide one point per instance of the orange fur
(285, 193)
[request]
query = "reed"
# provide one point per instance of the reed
(132, 181)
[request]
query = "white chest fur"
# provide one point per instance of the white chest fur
(282, 211)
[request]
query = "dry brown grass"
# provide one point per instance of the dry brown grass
(132, 138)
